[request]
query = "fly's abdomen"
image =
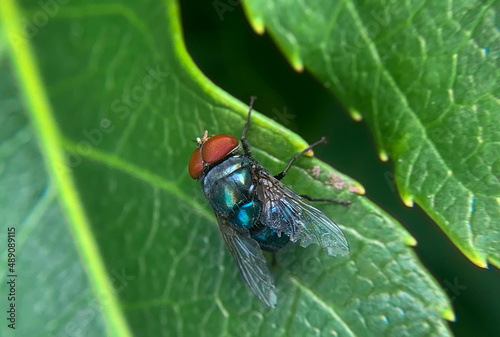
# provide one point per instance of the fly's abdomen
(269, 240)
(246, 215)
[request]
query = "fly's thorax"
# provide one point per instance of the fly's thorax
(229, 185)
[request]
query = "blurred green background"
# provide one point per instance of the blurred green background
(245, 64)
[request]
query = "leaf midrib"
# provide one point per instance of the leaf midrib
(42, 118)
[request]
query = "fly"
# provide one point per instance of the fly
(255, 211)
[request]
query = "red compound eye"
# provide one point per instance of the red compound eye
(195, 164)
(217, 147)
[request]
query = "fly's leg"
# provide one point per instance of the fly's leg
(244, 141)
(343, 203)
(281, 175)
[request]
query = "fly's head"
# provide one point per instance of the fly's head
(209, 151)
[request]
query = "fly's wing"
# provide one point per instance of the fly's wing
(251, 263)
(284, 211)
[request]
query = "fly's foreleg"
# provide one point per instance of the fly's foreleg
(244, 141)
(281, 175)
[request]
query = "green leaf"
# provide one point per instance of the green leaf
(114, 102)
(423, 77)
(45, 256)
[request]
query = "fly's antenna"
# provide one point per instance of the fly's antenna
(203, 139)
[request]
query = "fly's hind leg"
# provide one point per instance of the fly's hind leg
(343, 203)
(244, 141)
(281, 175)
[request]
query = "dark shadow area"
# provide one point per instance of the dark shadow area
(245, 64)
